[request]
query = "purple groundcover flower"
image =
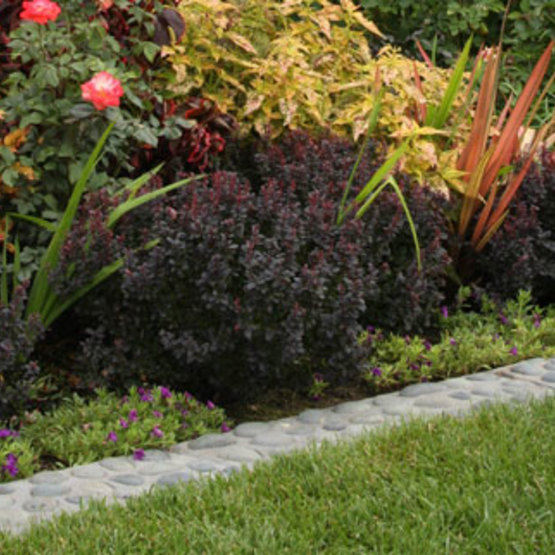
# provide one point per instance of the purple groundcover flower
(537, 320)
(165, 392)
(133, 417)
(157, 414)
(445, 311)
(11, 465)
(210, 405)
(513, 351)
(5, 432)
(427, 344)
(503, 319)
(157, 432)
(376, 371)
(123, 423)
(112, 436)
(452, 341)
(139, 454)
(225, 428)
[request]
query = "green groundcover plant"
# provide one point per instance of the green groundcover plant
(81, 431)
(468, 342)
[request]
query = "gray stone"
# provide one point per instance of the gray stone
(484, 392)
(176, 477)
(40, 505)
(6, 502)
(128, 479)
(369, 418)
(156, 455)
(50, 490)
(460, 395)
(529, 367)
(301, 430)
(205, 465)
(313, 416)
(273, 439)
(353, 407)
(210, 441)
(237, 454)
(89, 471)
(419, 389)
(117, 464)
(153, 468)
(334, 424)
(549, 377)
(550, 364)
(91, 490)
(434, 402)
(252, 429)
(482, 377)
(49, 478)
(6, 490)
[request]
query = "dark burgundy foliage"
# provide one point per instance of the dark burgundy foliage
(17, 341)
(251, 288)
(522, 253)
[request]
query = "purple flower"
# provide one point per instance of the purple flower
(318, 377)
(407, 340)
(11, 465)
(503, 319)
(146, 397)
(133, 415)
(112, 436)
(5, 432)
(124, 399)
(157, 414)
(414, 366)
(427, 344)
(452, 341)
(210, 405)
(537, 320)
(514, 351)
(188, 396)
(165, 392)
(370, 329)
(184, 412)
(139, 454)
(157, 432)
(225, 428)
(376, 371)
(123, 423)
(445, 311)
(423, 379)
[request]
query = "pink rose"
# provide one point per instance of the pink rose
(102, 90)
(40, 11)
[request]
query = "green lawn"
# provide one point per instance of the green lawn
(484, 484)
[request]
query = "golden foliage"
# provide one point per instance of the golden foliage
(285, 64)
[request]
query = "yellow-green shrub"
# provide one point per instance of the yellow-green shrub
(287, 64)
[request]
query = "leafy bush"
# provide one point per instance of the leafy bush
(255, 287)
(18, 337)
(469, 341)
(277, 66)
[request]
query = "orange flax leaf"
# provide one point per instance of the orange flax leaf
(516, 182)
(480, 224)
(470, 198)
(505, 144)
(424, 55)
(539, 101)
(490, 232)
(477, 141)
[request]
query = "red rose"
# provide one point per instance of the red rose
(102, 90)
(40, 11)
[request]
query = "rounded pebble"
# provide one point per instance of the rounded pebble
(460, 395)
(50, 490)
(529, 367)
(212, 440)
(90, 471)
(128, 479)
(353, 407)
(40, 505)
(176, 477)
(419, 389)
(273, 439)
(116, 465)
(549, 377)
(252, 429)
(49, 478)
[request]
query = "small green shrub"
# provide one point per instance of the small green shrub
(468, 342)
(81, 431)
